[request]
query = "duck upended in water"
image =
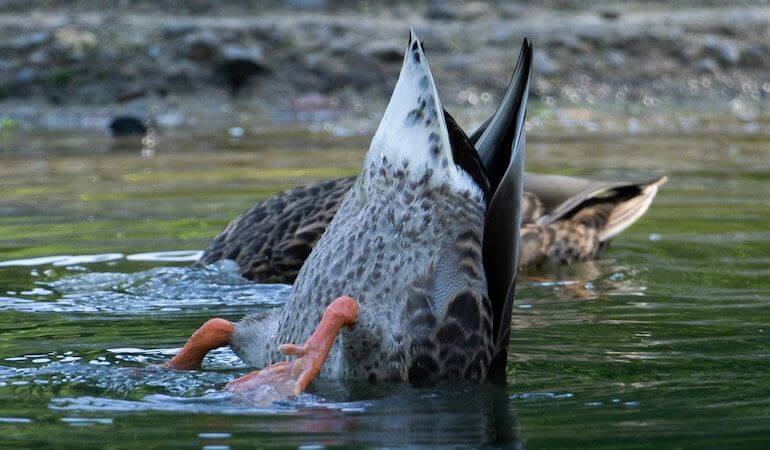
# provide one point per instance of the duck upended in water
(420, 249)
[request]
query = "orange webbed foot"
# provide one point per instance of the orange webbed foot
(286, 379)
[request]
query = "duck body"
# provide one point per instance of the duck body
(409, 252)
(407, 243)
(563, 220)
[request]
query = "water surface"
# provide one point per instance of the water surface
(664, 343)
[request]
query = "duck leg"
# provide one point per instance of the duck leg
(212, 334)
(290, 378)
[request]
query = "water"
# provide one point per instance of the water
(664, 343)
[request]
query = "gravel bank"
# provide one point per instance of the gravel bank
(320, 65)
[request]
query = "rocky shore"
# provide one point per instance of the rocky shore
(332, 65)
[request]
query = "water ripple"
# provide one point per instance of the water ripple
(159, 290)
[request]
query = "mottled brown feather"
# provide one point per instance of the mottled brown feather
(272, 239)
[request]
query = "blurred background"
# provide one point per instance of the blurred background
(252, 65)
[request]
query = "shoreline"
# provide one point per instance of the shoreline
(320, 68)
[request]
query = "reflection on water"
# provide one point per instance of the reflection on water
(661, 344)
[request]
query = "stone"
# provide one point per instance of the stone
(385, 51)
(753, 56)
(201, 46)
(438, 10)
(122, 126)
(609, 13)
(26, 75)
(464, 11)
(238, 64)
(706, 65)
(614, 58)
(29, 41)
(723, 50)
(458, 62)
(543, 64)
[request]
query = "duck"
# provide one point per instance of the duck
(413, 279)
(564, 220)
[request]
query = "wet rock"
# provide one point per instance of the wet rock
(510, 10)
(341, 46)
(26, 75)
(614, 58)
(753, 56)
(465, 11)
(175, 30)
(570, 42)
(724, 51)
(458, 62)
(40, 57)
(172, 119)
(503, 36)
(307, 4)
(706, 65)
(238, 64)
(122, 126)
(268, 33)
(385, 51)
(543, 64)
(438, 10)
(609, 13)
(202, 46)
(29, 41)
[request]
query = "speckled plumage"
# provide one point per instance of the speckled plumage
(268, 242)
(272, 240)
(410, 321)
(406, 243)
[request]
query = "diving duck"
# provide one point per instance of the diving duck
(413, 279)
(564, 219)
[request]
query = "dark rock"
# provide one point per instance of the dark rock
(385, 51)
(609, 13)
(238, 64)
(202, 46)
(127, 126)
(174, 30)
(465, 11)
(543, 64)
(754, 56)
(724, 51)
(307, 4)
(438, 10)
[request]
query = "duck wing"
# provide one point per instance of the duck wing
(271, 240)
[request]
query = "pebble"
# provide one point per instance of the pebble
(202, 46)
(706, 65)
(385, 51)
(543, 64)
(121, 126)
(723, 50)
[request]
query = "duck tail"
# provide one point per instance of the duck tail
(628, 211)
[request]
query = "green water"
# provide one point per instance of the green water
(664, 343)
